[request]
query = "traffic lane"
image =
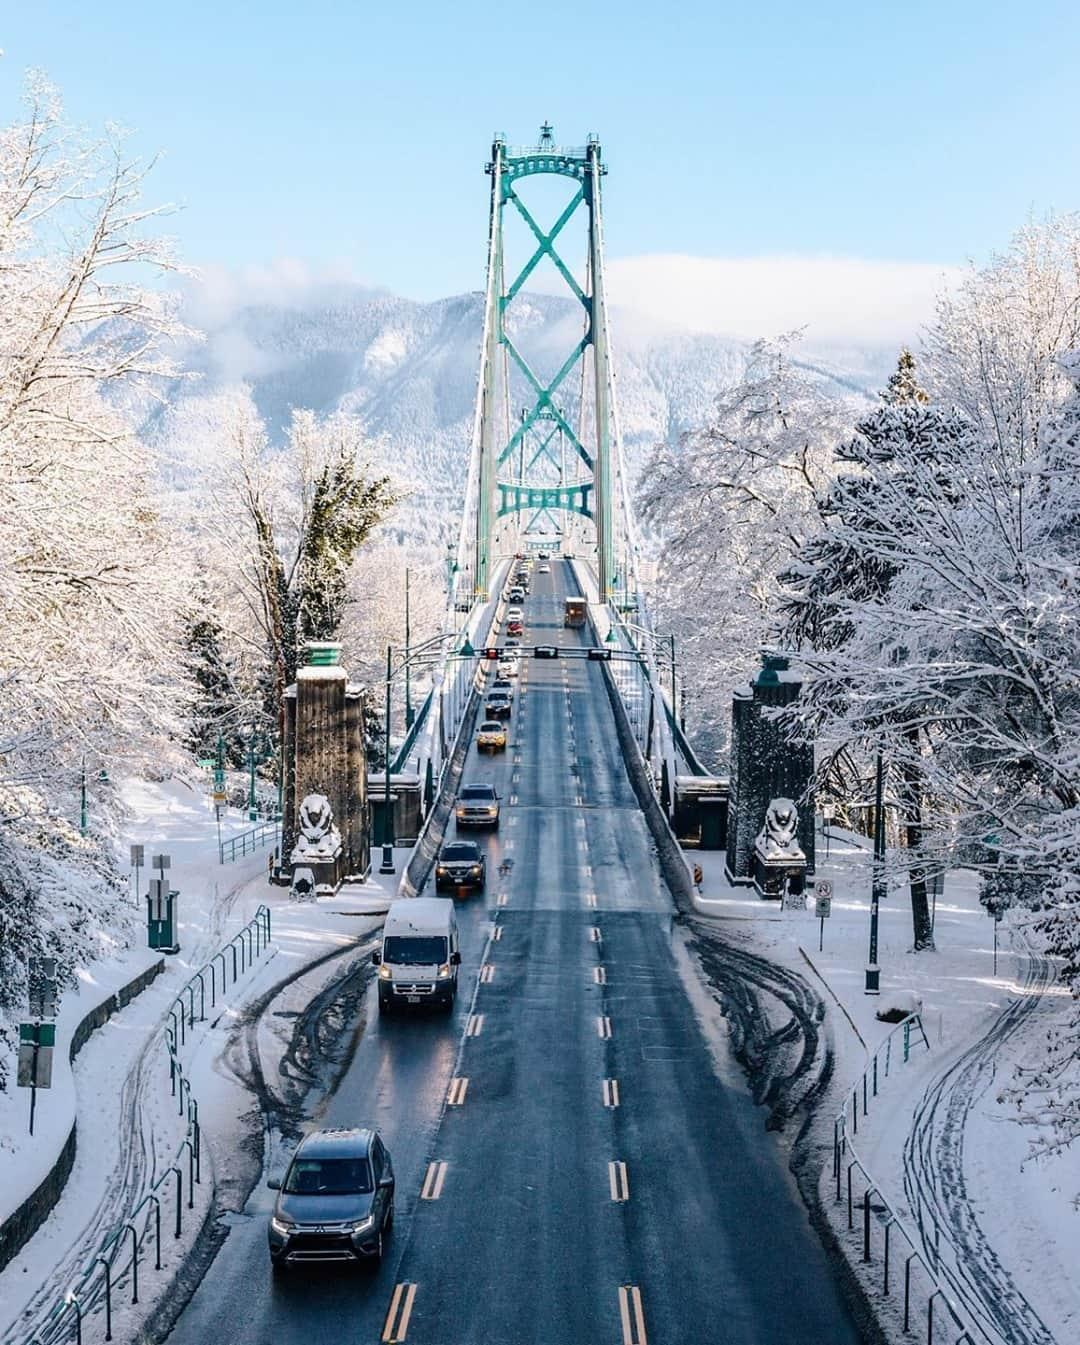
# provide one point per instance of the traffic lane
(522, 1234)
(715, 1228)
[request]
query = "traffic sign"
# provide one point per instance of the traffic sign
(138, 856)
(823, 889)
(162, 861)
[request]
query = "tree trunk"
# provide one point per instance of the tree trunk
(922, 927)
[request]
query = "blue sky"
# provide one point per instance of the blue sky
(353, 137)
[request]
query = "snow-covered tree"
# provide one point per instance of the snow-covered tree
(732, 503)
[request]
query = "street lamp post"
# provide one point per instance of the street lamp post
(252, 813)
(387, 865)
(877, 887)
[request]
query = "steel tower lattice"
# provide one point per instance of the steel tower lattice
(533, 469)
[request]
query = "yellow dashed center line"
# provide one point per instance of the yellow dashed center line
(611, 1092)
(487, 973)
(396, 1325)
(475, 1025)
(618, 1182)
(603, 1027)
(433, 1181)
(630, 1307)
(456, 1096)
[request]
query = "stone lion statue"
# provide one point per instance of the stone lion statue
(778, 838)
(317, 836)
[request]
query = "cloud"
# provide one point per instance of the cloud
(840, 300)
(286, 282)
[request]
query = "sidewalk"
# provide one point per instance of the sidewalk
(1019, 1209)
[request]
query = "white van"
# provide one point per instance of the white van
(419, 957)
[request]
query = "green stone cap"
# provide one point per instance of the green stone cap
(322, 653)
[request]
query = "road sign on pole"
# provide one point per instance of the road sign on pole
(34, 1069)
(41, 987)
(822, 907)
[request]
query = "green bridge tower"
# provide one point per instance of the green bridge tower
(546, 459)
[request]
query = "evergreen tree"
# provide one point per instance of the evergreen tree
(215, 705)
(903, 388)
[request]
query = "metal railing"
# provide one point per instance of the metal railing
(925, 1300)
(121, 1252)
(266, 833)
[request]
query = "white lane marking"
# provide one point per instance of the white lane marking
(501, 899)
(456, 1096)
(496, 933)
(590, 899)
(603, 1027)
(599, 975)
(433, 1181)
(630, 1301)
(611, 1092)
(475, 1025)
(594, 934)
(513, 800)
(619, 1182)
(396, 1327)
(487, 973)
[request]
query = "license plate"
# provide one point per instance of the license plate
(412, 999)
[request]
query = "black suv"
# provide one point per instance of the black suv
(460, 864)
(336, 1202)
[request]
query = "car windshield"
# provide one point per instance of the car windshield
(328, 1177)
(490, 727)
(414, 949)
(478, 794)
(460, 852)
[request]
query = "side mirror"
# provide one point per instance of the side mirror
(455, 959)
(387, 1179)
(274, 1183)
(375, 958)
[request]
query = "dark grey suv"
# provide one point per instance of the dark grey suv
(336, 1202)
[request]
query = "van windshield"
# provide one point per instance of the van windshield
(399, 948)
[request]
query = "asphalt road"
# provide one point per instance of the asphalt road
(602, 1183)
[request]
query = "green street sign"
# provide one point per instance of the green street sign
(39, 1034)
(206, 763)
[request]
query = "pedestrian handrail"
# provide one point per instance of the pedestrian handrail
(118, 1254)
(266, 833)
(920, 1272)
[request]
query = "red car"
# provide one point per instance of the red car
(514, 627)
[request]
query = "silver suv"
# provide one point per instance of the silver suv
(336, 1202)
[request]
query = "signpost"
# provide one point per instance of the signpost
(138, 859)
(822, 907)
(161, 909)
(828, 812)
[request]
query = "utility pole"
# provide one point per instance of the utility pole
(877, 887)
(408, 690)
(387, 865)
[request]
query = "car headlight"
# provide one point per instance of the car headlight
(493, 812)
(386, 973)
(476, 870)
(281, 1226)
(363, 1225)
(444, 971)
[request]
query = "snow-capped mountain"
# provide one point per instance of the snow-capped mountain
(410, 368)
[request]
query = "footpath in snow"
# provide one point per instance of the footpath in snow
(941, 1141)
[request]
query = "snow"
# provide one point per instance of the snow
(120, 1083)
(1024, 1209)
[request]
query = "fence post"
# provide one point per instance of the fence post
(866, 1224)
(202, 997)
(78, 1318)
(190, 1173)
(104, 1261)
(135, 1263)
(157, 1231)
(875, 1075)
(850, 1212)
(907, 1289)
(864, 1093)
(232, 949)
(930, 1317)
(855, 1111)
(179, 1199)
(907, 1039)
(885, 1286)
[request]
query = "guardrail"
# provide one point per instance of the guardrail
(924, 1297)
(120, 1252)
(266, 833)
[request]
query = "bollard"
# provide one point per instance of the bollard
(179, 1199)
(104, 1261)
